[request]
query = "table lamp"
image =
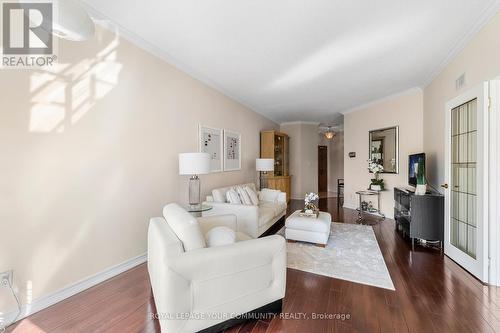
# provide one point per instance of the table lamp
(194, 164)
(263, 165)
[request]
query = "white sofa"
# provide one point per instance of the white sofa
(200, 288)
(252, 220)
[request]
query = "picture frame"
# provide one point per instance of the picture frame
(232, 150)
(210, 140)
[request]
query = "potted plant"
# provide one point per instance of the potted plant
(377, 184)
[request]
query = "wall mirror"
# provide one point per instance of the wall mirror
(384, 148)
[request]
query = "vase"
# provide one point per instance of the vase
(375, 187)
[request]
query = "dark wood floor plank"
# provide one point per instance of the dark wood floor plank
(433, 294)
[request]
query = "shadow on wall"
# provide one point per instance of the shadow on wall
(40, 108)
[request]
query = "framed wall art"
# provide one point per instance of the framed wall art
(211, 141)
(232, 151)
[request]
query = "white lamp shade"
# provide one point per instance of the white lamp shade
(194, 163)
(264, 164)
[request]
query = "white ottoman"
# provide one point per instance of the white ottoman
(307, 229)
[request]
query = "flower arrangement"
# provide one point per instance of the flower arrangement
(310, 201)
(376, 168)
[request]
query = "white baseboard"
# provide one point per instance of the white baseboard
(51, 299)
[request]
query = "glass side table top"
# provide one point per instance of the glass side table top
(368, 192)
(197, 208)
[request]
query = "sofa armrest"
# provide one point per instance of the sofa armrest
(247, 217)
(209, 222)
(282, 197)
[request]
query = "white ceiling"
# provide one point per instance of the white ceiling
(303, 59)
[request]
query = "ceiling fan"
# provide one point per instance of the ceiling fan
(330, 130)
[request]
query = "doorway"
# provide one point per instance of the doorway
(323, 170)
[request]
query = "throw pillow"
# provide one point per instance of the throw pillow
(219, 195)
(267, 194)
(233, 197)
(253, 196)
(244, 197)
(219, 236)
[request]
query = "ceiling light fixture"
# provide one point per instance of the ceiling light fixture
(329, 134)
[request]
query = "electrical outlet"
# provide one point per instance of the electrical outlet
(6, 278)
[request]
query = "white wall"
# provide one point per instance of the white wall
(480, 61)
(89, 154)
(404, 111)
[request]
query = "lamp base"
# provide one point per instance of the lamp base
(194, 191)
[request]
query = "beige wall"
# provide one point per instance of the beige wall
(304, 142)
(404, 111)
(89, 154)
(480, 61)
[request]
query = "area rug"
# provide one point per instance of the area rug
(352, 254)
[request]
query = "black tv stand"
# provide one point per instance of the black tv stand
(419, 216)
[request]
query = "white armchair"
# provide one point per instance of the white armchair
(252, 220)
(206, 287)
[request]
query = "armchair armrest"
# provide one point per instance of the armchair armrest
(209, 222)
(219, 277)
(213, 262)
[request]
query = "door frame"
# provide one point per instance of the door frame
(494, 181)
(479, 267)
(326, 148)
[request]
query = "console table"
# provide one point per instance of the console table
(419, 216)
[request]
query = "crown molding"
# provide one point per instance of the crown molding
(480, 22)
(383, 99)
(107, 23)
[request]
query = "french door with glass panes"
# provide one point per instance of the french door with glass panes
(466, 173)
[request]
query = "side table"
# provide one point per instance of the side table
(197, 210)
(374, 211)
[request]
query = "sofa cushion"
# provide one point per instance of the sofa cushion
(267, 194)
(233, 197)
(185, 227)
(219, 194)
(253, 195)
(278, 207)
(219, 236)
(266, 214)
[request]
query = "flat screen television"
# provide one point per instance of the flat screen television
(413, 163)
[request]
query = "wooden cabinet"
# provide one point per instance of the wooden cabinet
(275, 145)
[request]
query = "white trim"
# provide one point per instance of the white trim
(153, 49)
(480, 22)
(383, 99)
(494, 181)
(476, 266)
(75, 288)
(300, 122)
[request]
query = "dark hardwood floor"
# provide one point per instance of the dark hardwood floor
(433, 294)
